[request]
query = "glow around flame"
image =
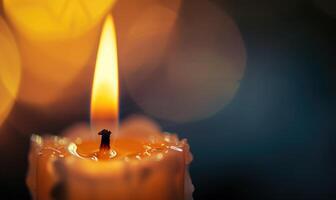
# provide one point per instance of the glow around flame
(105, 90)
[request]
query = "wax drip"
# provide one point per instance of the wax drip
(104, 149)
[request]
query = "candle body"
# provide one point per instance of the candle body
(41, 177)
(149, 165)
(157, 175)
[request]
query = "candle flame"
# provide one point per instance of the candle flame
(105, 90)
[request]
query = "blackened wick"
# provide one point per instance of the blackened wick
(105, 139)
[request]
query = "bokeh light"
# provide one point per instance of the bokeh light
(55, 53)
(50, 67)
(10, 70)
(55, 19)
(198, 71)
(143, 31)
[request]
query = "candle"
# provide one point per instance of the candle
(133, 161)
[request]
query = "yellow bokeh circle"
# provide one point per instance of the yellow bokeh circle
(10, 70)
(57, 40)
(55, 19)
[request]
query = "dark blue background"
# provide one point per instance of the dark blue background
(276, 139)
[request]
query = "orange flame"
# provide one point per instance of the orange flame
(105, 90)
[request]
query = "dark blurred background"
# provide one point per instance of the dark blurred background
(274, 139)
